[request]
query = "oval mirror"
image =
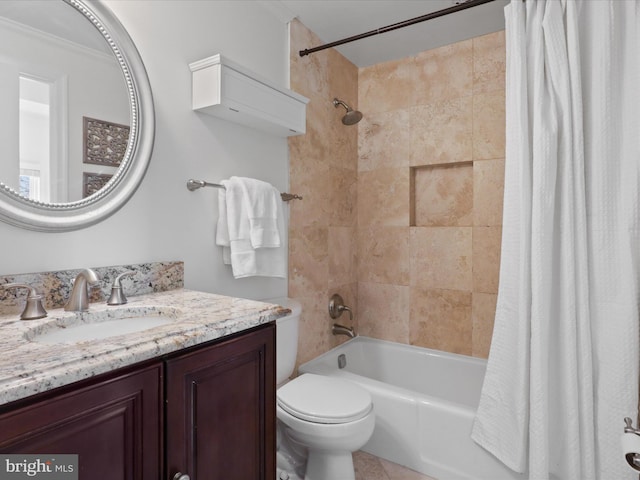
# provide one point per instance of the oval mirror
(76, 111)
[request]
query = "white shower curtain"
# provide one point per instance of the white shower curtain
(563, 368)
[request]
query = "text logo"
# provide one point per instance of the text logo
(49, 467)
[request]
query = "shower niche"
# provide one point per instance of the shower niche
(442, 195)
(224, 89)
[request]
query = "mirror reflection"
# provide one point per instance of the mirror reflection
(64, 107)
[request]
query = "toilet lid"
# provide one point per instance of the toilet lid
(320, 399)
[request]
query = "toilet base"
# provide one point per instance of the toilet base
(329, 466)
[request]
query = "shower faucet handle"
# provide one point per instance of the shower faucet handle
(337, 306)
(629, 426)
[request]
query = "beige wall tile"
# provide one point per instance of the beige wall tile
(486, 259)
(488, 125)
(489, 62)
(384, 311)
(315, 327)
(441, 258)
(488, 192)
(441, 131)
(383, 197)
(308, 260)
(483, 313)
(342, 256)
(441, 319)
(341, 197)
(387, 86)
(383, 140)
(383, 255)
(323, 169)
(445, 72)
(312, 180)
(443, 195)
(309, 74)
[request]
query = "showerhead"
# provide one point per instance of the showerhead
(352, 116)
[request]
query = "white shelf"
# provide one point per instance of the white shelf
(227, 90)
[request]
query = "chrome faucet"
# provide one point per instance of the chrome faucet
(117, 293)
(338, 329)
(33, 309)
(79, 298)
(336, 307)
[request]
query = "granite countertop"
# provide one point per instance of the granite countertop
(28, 367)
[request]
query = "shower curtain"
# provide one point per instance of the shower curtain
(563, 366)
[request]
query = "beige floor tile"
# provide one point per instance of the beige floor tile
(370, 467)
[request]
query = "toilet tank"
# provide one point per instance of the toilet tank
(286, 337)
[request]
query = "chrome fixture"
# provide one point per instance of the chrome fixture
(337, 306)
(117, 294)
(352, 116)
(33, 309)
(459, 5)
(338, 329)
(193, 185)
(629, 426)
(79, 298)
(342, 361)
(633, 459)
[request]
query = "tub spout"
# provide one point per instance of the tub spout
(337, 329)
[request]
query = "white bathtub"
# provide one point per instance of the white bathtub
(424, 401)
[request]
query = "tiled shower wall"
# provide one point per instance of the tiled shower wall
(430, 183)
(323, 166)
(401, 214)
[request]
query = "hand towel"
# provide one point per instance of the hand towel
(222, 230)
(262, 200)
(247, 261)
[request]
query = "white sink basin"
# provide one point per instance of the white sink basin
(87, 326)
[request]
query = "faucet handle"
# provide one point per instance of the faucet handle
(33, 309)
(337, 306)
(117, 295)
(629, 426)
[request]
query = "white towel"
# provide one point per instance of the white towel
(262, 200)
(247, 261)
(222, 230)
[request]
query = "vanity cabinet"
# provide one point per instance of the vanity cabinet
(221, 410)
(208, 412)
(113, 425)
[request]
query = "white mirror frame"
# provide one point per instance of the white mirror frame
(61, 217)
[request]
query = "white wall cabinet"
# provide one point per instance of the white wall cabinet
(227, 90)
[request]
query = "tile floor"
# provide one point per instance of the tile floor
(370, 467)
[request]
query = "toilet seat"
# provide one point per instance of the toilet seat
(320, 399)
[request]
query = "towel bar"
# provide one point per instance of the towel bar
(196, 184)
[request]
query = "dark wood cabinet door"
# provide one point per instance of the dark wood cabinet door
(113, 425)
(220, 409)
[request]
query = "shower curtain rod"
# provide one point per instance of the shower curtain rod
(395, 26)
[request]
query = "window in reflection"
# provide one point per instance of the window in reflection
(35, 156)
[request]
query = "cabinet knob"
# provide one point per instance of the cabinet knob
(181, 476)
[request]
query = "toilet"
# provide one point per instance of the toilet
(321, 420)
